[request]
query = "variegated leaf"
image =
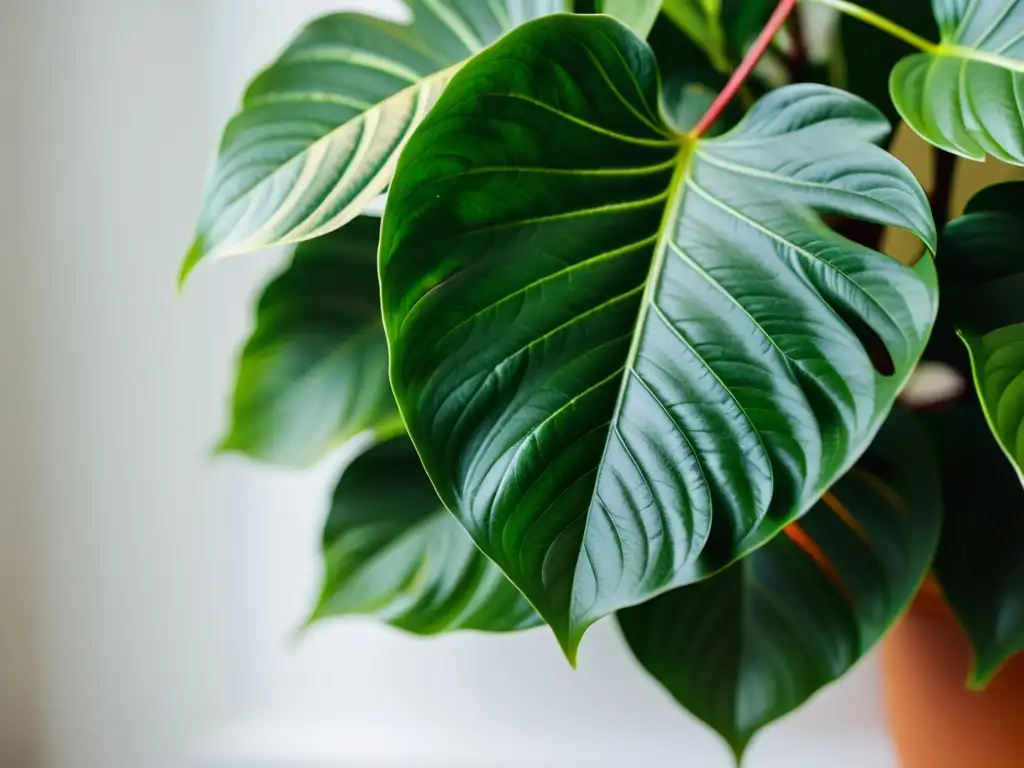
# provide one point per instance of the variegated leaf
(320, 130)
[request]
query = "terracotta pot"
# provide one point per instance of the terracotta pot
(936, 722)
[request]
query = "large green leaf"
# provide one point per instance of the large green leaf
(321, 128)
(628, 357)
(983, 278)
(965, 95)
(752, 643)
(315, 371)
(391, 550)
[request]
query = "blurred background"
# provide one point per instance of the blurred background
(150, 596)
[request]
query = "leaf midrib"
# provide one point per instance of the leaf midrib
(956, 51)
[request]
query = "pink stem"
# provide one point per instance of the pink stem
(739, 77)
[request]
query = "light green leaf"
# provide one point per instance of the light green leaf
(753, 643)
(392, 551)
(320, 130)
(638, 15)
(315, 371)
(983, 277)
(628, 357)
(966, 95)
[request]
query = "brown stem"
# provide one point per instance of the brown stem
(942, 189)
(797, 58)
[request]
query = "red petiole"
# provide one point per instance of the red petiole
(739, 77)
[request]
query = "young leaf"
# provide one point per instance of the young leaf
(628, 357)
(964, 95)
(315, 371)
(391, 550)
(983, 277)
(638, 15)
(320, 130)
(753, 643)
(979, 564)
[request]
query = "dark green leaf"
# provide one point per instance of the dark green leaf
(982, 270)
(980, 564)
(868, 54)
(392, 551)
(722, 28)
(964, 95)
(628, 357)
(743, 21)
(315, 371)
(320, 130)
(752, 643)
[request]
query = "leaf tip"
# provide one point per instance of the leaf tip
(738, 746)
(982, 671)
(195, 254)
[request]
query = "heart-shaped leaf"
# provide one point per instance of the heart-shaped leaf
(964, 95)
(321, 128)
(751, 644)
(627, 357)
(392, 551)
(983, 277)
(315, 371)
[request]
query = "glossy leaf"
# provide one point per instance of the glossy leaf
(628, 357)
(638, 15)
(979, 564)
(321, 128)
(983, 277)
(314, 373)
(392, 551)
(965, 95)
(753, 643)
(867, 55)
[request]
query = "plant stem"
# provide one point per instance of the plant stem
(739, 77)
(942, 189)
(797, 58)
(880, 22)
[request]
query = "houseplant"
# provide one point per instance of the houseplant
(625, 342)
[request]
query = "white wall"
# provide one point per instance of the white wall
(167, 586)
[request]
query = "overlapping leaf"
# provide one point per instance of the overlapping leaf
(628, 357)
(315, 371)
(320, 130)
(966, 95)
(392, 551)
(983, 279)
(751, 644)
